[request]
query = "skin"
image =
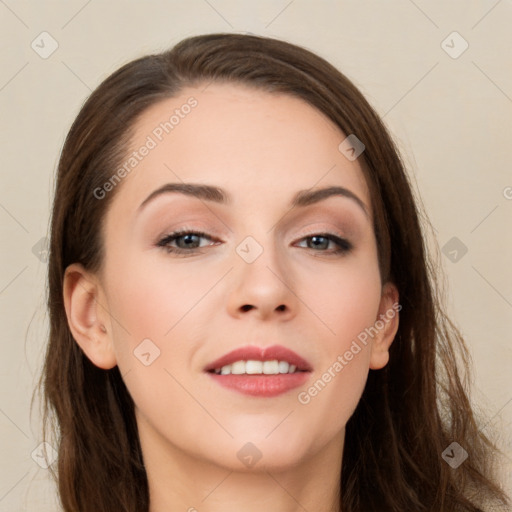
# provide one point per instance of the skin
(261, 148)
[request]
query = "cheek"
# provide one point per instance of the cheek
(346, 302)
(149, 299)
(344, 298)
(152, 306)
(159, 311)
(344, 348)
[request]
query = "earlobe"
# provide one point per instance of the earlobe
(386, 325)
(87, 318)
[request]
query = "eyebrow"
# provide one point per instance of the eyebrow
(217, 195)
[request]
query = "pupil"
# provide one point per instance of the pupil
(316, 239)
(188, 239)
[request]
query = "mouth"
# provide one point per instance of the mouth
(256, 371)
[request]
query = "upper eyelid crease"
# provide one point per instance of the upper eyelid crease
(210, 193)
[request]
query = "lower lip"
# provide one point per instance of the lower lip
(262, 385)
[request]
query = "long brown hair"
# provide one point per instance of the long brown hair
(410, 411)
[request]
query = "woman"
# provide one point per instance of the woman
(243, 314)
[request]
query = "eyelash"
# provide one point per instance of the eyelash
(344, 246)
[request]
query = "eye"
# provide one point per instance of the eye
(319, 242)
(187, 241)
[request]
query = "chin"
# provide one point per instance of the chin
(254, 453)
(272, 461)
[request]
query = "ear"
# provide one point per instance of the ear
(87, 316)
(386, 325)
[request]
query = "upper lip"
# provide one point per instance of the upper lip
(255, 353)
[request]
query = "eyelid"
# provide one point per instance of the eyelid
(173, 234)
(323, 231)
(202, 233)
(326, 228)
(343, 245)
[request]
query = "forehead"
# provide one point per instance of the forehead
(247, 141)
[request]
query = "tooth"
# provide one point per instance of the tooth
(284, 366)
(238, 368)
(253, 367)
(271, 367)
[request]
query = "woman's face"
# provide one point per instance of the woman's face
(265, 274)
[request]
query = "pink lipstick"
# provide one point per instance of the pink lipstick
(263, 372)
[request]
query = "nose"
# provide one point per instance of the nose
(263, 288)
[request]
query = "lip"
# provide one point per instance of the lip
(261, 385)
(264, 386)
(254, 353)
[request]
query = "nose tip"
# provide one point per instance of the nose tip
(261, 285)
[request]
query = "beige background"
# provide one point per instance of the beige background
(450, 116)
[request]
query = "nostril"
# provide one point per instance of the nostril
(247, 307)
